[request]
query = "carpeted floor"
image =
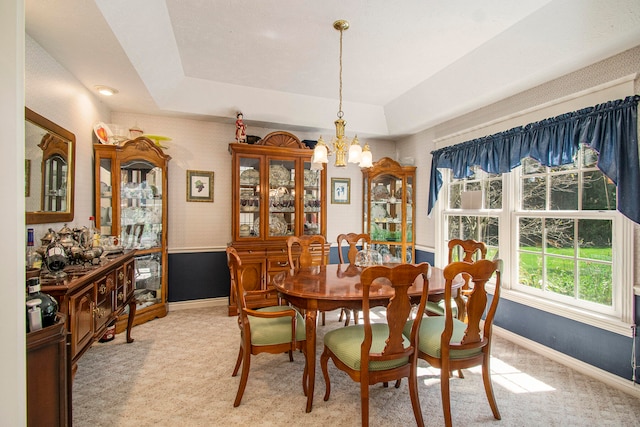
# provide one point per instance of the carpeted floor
(177, 372)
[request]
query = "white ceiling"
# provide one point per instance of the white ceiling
(407, 65)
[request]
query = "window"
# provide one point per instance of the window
(558, 236)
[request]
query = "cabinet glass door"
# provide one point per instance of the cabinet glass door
(105, 215)
(312, 200)
(282, 206)
(140, 205)
(385, 217)
(249, 197)
(148, 280)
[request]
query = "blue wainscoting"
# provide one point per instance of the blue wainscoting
(198, 275)
(194, 276)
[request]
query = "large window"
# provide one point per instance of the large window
(556, 228)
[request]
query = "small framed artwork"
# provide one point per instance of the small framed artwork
(199, 186)
(341, 190)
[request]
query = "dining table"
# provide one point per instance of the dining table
(335, 286)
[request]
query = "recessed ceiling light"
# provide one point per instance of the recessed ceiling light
(106, 90)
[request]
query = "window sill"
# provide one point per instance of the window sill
(607, 323)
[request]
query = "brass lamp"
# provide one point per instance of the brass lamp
(356, 154)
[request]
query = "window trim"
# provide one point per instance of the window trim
(622, 269)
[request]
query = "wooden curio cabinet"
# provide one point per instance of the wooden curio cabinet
(275, 195)
(389, 198)
(131, 205)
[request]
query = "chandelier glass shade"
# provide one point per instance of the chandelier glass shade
(340, 145)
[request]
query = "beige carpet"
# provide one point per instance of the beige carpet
(177, 372)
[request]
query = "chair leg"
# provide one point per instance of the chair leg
(324, 361)
(364, 402)
(488, 388)
(246, 362)
(342, 313)
(355, 317)
(347, 314)
(415, 398)
(290, 356)
(305, 378)
(238, 362)
(460, 374)
(323, 318)
(446, 403)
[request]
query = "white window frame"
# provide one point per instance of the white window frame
(621, 318)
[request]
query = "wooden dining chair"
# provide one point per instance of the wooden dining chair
(379, 352)
(313, 251)
(351, 239)
(275, 329)
(460, 250)
(448, 343)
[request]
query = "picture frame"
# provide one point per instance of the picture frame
(341, 191)
(199, 186)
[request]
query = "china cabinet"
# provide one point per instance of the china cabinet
(275, 195)
(389, 198)
(131, 213)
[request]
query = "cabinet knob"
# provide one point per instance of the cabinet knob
(121, 275)
(102, 289)
(283, 264)
(120, 296)
(128, 282)
(99, 312)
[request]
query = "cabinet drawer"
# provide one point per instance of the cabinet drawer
(275, 264)
(105, 288)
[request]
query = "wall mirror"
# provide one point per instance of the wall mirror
(49, 170)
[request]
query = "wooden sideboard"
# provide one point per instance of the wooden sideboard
(48, 382)
(93, 298)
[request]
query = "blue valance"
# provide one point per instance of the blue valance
(610, 128)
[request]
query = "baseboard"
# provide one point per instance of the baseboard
(601, 375)
(200, 303)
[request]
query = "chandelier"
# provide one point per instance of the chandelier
(357, 154)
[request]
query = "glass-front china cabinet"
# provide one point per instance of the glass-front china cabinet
(131, 213)
(275, 195)
(389, 198)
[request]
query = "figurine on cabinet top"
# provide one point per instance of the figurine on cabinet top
(241, 129)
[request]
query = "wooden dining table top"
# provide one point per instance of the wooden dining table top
(341, 282)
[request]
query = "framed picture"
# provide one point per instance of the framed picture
(199, 186)
(341, 190)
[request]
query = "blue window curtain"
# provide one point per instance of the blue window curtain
(610, 128)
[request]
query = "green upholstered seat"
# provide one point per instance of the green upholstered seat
(429, 337)
(269, 331)
(438, 307)
(345, 344)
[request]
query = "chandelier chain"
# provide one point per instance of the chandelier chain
(340, 113)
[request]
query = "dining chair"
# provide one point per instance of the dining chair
(379, 352)
(460, 250)
(351, 239)
(274, 329)
(313, 251)
(448, 343)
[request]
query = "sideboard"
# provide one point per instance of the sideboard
(92, 298)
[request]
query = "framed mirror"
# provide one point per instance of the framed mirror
(49, 170)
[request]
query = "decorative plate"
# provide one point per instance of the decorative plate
(103, 132)
(277, 225)
(380, 192)
(310, 178)
(157, 139)
(279, 175)
(378, 212)
(250, 177)
(399, 193)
